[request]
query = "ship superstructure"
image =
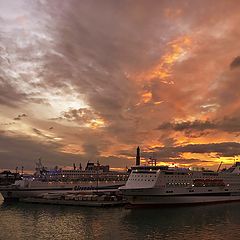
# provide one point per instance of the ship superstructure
(92, 172)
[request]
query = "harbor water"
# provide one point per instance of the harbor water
(21, 221)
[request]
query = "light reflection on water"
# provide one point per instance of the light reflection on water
(29, 221)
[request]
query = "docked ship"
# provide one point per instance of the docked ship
(163, 185)
(93, 177)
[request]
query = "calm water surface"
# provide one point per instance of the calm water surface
(32, 221)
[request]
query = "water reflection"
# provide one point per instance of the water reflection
(66, 222)
(200, 222)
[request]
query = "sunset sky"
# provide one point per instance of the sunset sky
(92, 80)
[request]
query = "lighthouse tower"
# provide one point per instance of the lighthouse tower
(138, 160)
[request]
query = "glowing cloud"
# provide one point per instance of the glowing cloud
(146, 97)
(177, 52)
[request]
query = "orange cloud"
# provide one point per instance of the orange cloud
(72, 149)
(146, 97)
(172, 13)
(177, 52)
(96, 123)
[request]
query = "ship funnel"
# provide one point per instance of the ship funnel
(138, 160)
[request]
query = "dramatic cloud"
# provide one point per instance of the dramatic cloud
(224, 149)
(181, 126)
(9, 96)
(25, 151)
(98, 78)
(83, 117)
(226, 124)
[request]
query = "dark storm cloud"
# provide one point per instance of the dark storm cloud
(226, 124)
(162, 153)
(224, 149)
(182, 126)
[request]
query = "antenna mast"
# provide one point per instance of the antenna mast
(219, 166)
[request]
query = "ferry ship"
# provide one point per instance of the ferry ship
(94, 177)
(163, 185)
